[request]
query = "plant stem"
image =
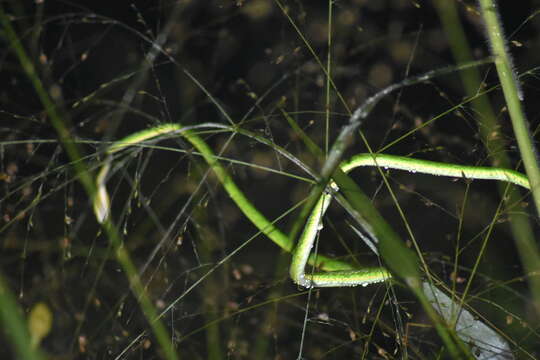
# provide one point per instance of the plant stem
(512, 95)
(527, 247)
(87, 182)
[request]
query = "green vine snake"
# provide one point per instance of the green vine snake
(336, 273)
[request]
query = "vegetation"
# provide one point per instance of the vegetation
(152, 154)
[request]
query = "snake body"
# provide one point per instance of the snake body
(336, 273)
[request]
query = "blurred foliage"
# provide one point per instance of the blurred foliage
(99, 61)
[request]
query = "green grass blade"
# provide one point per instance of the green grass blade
(14, 325)
(528, 249)
(84, 177)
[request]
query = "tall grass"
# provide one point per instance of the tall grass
(272, 93)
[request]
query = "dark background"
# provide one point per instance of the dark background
(99, 55)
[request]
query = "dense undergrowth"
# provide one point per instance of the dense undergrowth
(179, 271)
